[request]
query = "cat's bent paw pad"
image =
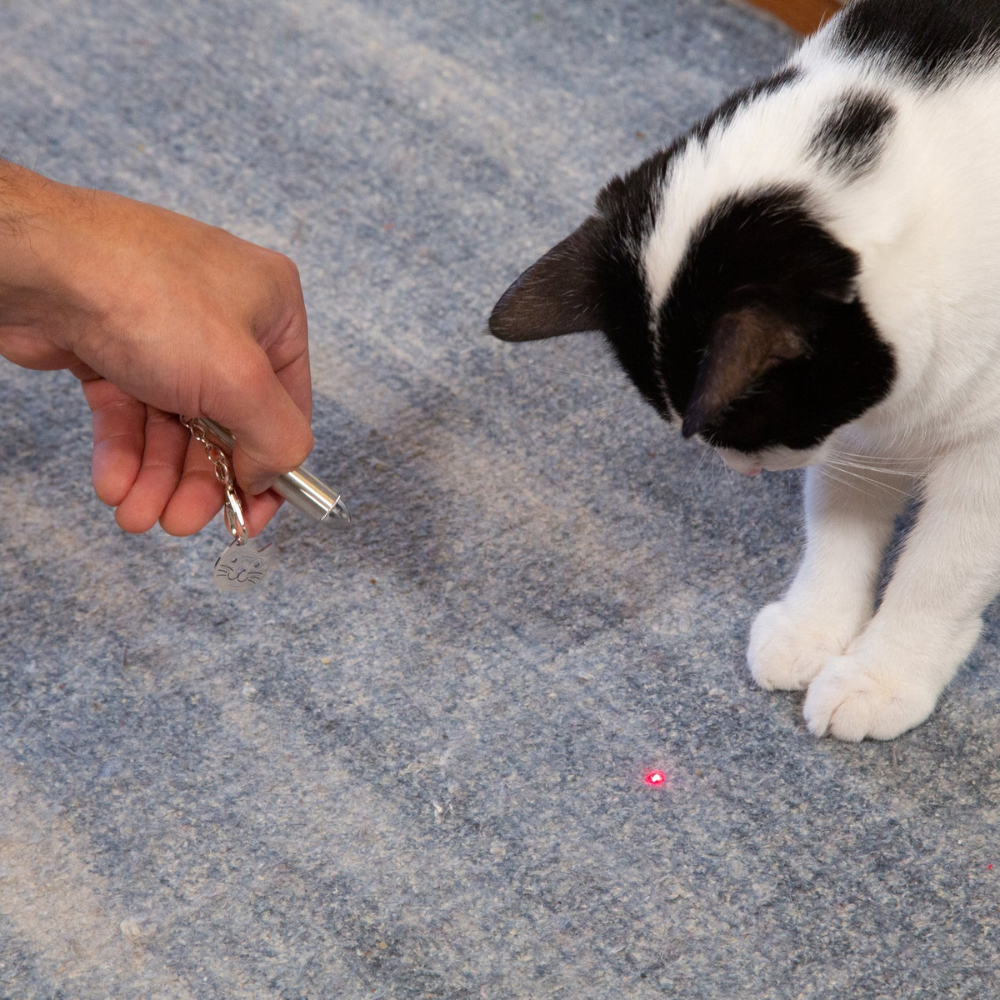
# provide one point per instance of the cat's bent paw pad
(784, 654)
(845, 702)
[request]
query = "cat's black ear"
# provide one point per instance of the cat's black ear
(558, 294)
(743, 345)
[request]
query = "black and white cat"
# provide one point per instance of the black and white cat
(811, 277)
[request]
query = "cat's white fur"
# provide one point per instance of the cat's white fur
(925, 223)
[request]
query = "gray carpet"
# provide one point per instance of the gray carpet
(413, 766)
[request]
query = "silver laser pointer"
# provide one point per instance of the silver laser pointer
(300, 488)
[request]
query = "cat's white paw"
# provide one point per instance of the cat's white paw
(847, 702)
(785, 652)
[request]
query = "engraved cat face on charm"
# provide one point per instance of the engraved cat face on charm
(241, 567)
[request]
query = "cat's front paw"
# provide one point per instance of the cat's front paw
(786, 651)
(852, 704)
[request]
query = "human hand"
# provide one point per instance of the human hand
(158, 314)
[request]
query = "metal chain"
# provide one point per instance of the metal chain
(233, 508)
(215, 455)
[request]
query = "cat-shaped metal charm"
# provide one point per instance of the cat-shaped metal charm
(241, 567)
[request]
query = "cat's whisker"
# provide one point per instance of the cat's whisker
(872, 468)
(888, 458)
(827, 472)
(704, 457)
(912, 460)
(720, 471)
(886, 487)
(625, 423)
(618, 409)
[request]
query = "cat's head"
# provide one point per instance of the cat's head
(747, 330)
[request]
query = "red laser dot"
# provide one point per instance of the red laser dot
(656, 778)
(988, 867)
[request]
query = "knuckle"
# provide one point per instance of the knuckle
(284, 268)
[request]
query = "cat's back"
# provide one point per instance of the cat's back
(928, 40)
(905, 136)
(886, 119)
(882, 74)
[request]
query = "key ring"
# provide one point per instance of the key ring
(232, 514)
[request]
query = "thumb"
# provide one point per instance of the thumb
(270, 428)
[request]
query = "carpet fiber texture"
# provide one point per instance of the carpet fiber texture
(413, 766)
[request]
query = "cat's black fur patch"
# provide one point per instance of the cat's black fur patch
(769, 250)
(626, 208)
(926, 38)
(724, 113)
(851, 138)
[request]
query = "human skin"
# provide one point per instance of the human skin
(158, 314)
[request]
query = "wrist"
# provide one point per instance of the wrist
(36, 248)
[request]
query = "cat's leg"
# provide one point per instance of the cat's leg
(890, 677)
(849, 521)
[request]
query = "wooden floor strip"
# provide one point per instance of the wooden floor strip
(805, 16)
